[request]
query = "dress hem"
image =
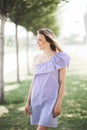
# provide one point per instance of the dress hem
(54, 126)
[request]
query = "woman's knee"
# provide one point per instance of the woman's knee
(42, 128)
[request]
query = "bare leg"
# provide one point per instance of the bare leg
(42, 128)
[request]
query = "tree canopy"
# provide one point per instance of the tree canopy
(31, 14)
(36, 14)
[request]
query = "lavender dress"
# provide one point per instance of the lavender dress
(45, 90)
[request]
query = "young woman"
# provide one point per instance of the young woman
(46, 92)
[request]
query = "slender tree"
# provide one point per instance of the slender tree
(16, 15)
(27, 53)
(17, 52)
(3, 18)
(4, 9)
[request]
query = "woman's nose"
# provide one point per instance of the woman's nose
(37, 42)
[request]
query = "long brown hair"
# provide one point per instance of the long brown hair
(50, 37)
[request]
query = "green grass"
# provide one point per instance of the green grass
(74, 108)
(16, 119)
(73, 116)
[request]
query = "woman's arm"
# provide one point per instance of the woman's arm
(28, 102)
(62, 77)
(29, 94)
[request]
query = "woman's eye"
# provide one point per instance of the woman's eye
(39, 39)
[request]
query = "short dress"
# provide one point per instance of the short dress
(45, 90)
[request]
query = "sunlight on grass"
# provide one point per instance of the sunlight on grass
(11, 87)
(21, 108)
(3, 110)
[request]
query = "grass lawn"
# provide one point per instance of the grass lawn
(74, 108)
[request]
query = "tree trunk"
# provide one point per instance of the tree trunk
(3, 18)
(17, 53)
(85, 25)
(27, 52)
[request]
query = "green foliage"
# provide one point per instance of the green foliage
(49, 20)
(34, 15)
(6, 6)
(31, 15)
(18, 11)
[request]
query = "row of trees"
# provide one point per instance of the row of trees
(30, 14)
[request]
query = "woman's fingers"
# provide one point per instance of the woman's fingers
(56, 111)
(27, 110)
(56, 114)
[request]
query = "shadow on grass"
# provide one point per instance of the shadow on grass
(15, 120)
(74, 107)
(21, 81)
(18, 95)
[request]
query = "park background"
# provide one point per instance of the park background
(72, 38)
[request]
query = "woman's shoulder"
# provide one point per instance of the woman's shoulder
(37, 59)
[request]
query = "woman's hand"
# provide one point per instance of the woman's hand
(57, 110)
(27, 109)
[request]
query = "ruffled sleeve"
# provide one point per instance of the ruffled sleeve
(58, 61)
(61, 60)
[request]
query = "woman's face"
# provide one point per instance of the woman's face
(41, 42)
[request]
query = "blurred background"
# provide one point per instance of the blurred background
(71, 25)
(19, 21)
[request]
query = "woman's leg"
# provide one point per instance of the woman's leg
(42, 128)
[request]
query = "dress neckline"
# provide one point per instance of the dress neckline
(48, 60)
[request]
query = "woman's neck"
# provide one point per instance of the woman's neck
(48, 52)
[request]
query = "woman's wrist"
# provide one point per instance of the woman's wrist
(28, 101)
(59, 103)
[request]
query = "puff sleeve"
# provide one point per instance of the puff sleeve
(61, 60)
(58, 61)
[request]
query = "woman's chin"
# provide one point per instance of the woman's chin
(40, 48)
